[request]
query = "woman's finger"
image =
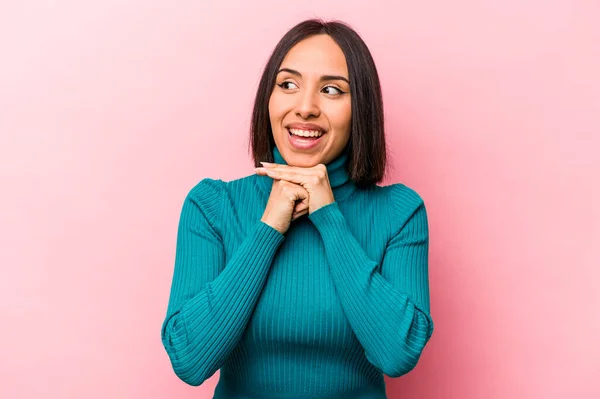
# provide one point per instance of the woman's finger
(296, 215)
(291, 176)
(300, 170)
(301, 206)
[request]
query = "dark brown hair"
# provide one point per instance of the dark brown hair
(367, 151)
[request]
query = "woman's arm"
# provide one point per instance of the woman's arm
(388, 311)
(207, 311)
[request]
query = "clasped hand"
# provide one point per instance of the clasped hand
(314, 180)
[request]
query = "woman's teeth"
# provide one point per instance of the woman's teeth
(306, 133)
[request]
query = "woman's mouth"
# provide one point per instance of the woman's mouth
(304, 139)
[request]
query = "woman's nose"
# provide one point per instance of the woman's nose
(308, 104)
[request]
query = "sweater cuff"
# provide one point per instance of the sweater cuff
(341, 246)
(328, 218)
(266, 231)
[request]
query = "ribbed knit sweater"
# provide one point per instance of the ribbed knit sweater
(322, 311)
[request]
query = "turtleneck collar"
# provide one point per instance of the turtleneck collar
(341, 184)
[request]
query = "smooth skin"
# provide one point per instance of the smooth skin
(302, 186)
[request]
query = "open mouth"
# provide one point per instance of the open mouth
(303, 142)
(316, 137)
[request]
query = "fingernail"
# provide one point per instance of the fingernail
(266, 163)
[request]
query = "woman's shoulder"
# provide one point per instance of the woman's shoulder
(397, 192)
(401, 200)
(212, 191)
(210, 185)
(206, 188)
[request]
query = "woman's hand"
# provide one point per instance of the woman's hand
(314, 180)
(285, 201)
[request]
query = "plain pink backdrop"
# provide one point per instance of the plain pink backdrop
(111, 111)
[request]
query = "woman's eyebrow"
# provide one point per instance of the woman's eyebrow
(323, 77)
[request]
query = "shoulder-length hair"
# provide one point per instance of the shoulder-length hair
(366, 146)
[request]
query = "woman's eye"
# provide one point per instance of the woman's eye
(284, 87)
(335, 88)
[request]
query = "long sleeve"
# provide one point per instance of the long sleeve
(208, 310)
(388, 311)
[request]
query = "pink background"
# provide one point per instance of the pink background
(111, 111)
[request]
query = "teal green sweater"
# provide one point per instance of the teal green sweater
(322, 311)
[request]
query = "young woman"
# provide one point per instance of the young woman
(305, 279)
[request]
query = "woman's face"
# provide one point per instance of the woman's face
(312, 87)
